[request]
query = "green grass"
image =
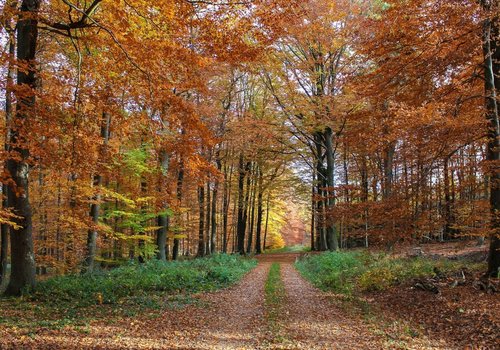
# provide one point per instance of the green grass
(126, 291)
(292, 249)
(350, 272)
(136, 281)
(275, 294)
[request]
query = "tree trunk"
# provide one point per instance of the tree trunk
(180, 180)
(201, 222)
(4, 228)
(364, 195)
(332, 237)
(163, 218)
(21, 237)
(320, 200)
(388, 173)
(208, 248)
(213, 226)
(313, 210)
(252, 189)
(267, 220)
(240, 231)
(225, 206)
(447, 230)
(260, 211)
(89, 262)
(491, 52)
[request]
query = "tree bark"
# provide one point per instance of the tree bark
(491, 52)
(332, 237)
(4, 228)
(260, 211)
(208, 248)
(225, 206)
(213, 225)
(21, 237)
(240, 229)
(201, 222)
(251, 202)
(313, 211)
(89, 262)
(320, 200)
(267, 220)
(180, 180)
(388, 172)
(162, 219)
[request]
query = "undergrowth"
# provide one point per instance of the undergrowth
(134, 281)
(124, 291)
(348, 272)
(292, 249)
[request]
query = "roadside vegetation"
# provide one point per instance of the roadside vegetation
(123, 291)
(351, 272)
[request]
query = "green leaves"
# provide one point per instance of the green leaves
(126, 283)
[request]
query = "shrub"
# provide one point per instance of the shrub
(135, 280)
(346, 271)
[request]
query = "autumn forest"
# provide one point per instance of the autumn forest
(254, 174)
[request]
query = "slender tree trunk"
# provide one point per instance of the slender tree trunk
(225, 206)
(267, 219)
(240, 232)
(21, 237)
(388, 172)
(162, 219)
(260, 211)
(491, 51)
(313, 211)
(4, 228)
(332, 237)
(213, 226)
(251, 202)
(180, 180)
(89, 262)
(447, 230)
(142, 243)
(201, 222)
(246, 203)
(364, 195)
(208, 248)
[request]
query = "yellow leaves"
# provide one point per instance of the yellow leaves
(99, 298)
(8, 218)
(118, 196)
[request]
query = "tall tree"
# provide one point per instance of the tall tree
(21, 235)
(491, 52)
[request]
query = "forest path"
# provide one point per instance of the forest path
(234, 318)
(313, 320)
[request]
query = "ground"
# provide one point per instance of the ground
(235, 318)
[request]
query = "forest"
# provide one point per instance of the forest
(250, 174)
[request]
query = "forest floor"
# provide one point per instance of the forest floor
(238, 318)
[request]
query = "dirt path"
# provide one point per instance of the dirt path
(313, 321)
(229, 319)
(234, 318)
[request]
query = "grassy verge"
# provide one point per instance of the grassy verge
(350, 272)
(124, 291)
(275, 294)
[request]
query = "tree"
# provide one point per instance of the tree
(21, 235)
(491, 54)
